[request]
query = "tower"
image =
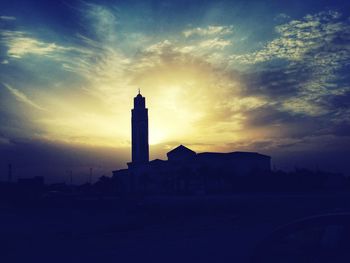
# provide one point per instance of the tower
(139, 131)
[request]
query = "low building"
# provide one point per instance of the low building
(186, 171)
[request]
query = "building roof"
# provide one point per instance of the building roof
(238, 155)
(156, 162)
(181, 149)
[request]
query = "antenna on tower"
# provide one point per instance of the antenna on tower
(139, 90)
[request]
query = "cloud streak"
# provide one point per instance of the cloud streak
(208, 31)
(21, 97)
(7, 18)
(20, 44)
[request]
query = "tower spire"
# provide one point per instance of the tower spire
(139, 131)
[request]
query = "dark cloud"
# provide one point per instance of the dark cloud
(341, 129)
(340, 102)
(276, 84)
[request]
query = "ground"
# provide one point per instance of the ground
(154, 229)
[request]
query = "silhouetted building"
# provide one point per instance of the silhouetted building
(180, 153)
(139, 133)
(236, 163)
(185, 170)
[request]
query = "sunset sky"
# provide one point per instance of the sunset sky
(265, 76)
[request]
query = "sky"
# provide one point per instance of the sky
(264, 76)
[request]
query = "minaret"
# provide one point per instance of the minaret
(139, 131)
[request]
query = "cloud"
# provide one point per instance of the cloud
(284, 92)
(302, 67)
(289, 94)
(79, 58)
(281, 17)
(4, 140)
(160, 47)
(298, 37)
(20, 44)
(101, 20)
(208, 51)
(20, 96)
(208, 31)
(7, 18)
(286, 84)
(215, 43)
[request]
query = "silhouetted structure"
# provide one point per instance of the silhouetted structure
(185, 170)
(180, 153)
(139, 133)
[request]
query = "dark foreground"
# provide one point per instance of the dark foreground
(153, 229)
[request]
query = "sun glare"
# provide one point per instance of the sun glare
(156, 136)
